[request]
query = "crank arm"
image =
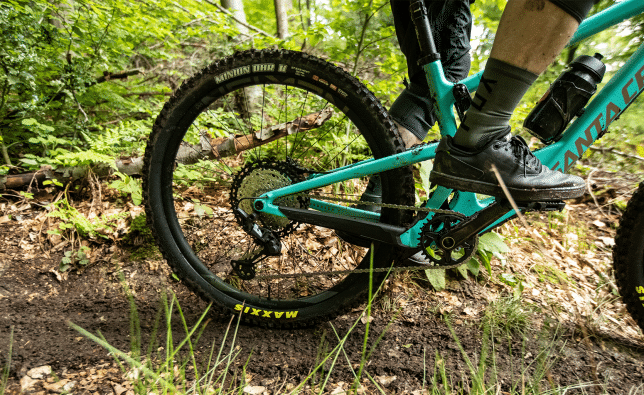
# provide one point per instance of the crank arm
(375, 231)
(473, 226)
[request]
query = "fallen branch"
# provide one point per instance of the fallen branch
(129, 166)
(147, 94)
(187, 154)
(228, 146)
(115, 76)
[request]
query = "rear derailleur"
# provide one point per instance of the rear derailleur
(269, 246)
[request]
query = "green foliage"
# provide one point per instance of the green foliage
(129, 186)
(491, 245)
(436, 278)
(59, 67)
(74, 222)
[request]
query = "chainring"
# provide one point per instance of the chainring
(445, 256)
(260, 177)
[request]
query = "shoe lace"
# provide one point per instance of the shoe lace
(521, 150)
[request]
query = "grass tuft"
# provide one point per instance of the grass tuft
(4, 373)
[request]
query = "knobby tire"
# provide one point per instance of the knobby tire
(192, 219)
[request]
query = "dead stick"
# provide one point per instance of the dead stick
(507, 195)
(228, 146)
(614, 151)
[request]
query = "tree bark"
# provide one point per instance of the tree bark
(236, 7)
(251, 95)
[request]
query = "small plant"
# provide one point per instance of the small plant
(4, 372)
(164, 372)
(482, 377)
(71, 257)
(507, 315)
(490, 245)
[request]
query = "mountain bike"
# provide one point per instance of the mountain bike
(255, 163)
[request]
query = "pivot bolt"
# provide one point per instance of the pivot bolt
(259, 205)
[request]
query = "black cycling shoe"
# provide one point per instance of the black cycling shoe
(523, 174)
(371, 194)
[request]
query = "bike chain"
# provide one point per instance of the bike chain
(292, 167)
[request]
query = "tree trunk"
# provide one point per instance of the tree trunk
(281, 15)
(251, 98)
(236, 7)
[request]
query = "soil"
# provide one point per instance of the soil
(578, 324)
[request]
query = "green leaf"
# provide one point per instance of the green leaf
(462, 270)
(436, 278)
(202, 210)
(425, 169)
(493, 242)
(473, 266)
(485, 259)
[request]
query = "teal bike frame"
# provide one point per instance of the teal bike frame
(611, 101)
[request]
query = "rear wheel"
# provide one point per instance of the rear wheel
(251, 123)
(628, 257)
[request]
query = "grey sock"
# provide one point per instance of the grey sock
(499, 93)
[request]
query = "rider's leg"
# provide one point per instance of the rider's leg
(530, 35)
(413, 110)
(451, 21)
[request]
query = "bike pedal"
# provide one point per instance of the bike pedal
(556, 205)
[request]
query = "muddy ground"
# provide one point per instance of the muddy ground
(582, 326)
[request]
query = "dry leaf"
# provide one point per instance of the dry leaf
(386, 380)
(39, 372)
(258, 389)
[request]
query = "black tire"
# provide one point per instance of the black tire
(199, 244)
(628, 256)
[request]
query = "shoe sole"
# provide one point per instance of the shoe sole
(520, 195)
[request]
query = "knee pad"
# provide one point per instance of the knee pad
(578, 9)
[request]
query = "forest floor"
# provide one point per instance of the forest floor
(577, 328)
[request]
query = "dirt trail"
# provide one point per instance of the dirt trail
(38, 302)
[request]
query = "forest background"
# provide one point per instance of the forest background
(81, 81)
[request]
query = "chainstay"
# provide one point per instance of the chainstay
(391, 269)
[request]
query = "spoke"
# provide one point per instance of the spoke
(321, 146)
(319, 137)
(340, 151)
(306, 96)
(261, 127)
(248, 114)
